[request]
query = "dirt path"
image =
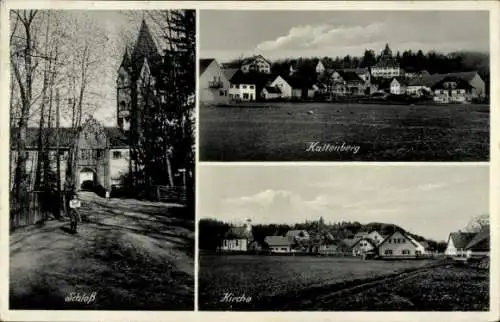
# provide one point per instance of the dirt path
(133, 254)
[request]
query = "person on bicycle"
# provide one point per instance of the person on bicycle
(74, 214)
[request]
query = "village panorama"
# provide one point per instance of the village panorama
(395, 103)
(402, 257)
(102, 160)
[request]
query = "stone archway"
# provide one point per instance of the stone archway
(87, 178)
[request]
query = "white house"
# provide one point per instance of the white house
(270, 92)
(397, 86)
(213, 83)
(278, 244)
(282, 84)
(242, 88)
(363, 246)
(238, 238)
(256, 63)
(399, 245)
(386, 68)
(320, 68)
(467, 245)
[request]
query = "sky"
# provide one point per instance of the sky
(428, 200)
(226, 35)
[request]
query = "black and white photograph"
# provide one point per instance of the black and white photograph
(344, 85)
(102, 159)
(344, 238)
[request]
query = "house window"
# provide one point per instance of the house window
(283, 248)
(117, 155)
(252, 86)
(221, 93)
(417, 252)
(236, 243)
(244, 86)
(406, 252)
(388, 252)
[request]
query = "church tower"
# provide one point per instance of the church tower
(137, 62)
(124, 93)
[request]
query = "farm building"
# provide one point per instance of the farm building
(400, 245)
(467, 245)
(238, 238)
(278, 244)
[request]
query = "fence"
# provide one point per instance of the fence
(171, 194)
(38, 208)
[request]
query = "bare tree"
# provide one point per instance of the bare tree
(478, 223)
(24, 63)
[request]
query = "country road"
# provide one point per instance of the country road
(134, 255)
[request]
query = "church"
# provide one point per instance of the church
(104, 152)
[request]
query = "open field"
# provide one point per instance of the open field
(320, 283)
(135, 255)
(383, 133)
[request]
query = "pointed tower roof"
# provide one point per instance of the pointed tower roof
(145, 47)
(126, 61)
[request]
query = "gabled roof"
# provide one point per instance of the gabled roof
(273, 90)
(204, 63)
(277, 241)
(480, 241)
(258, 79)
(411, 239)
(249, 60)
(349, 242)
(297, 82)
(349, 76)
(229, 72)
(461, 239)
(429, 80)
(371, 241)
(461, 83)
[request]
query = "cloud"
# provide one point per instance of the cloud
(270, 204)
(309, 36)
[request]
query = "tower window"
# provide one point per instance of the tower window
(117, 155)
(122, 105)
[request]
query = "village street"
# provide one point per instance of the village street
(133, 254)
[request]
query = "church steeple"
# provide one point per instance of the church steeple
(126, 59)
(145, 46)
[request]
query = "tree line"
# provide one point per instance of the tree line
(211, 232)
(409, 60)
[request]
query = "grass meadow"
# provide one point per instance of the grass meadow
(382, 132)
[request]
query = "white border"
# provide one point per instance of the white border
(492, 6)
